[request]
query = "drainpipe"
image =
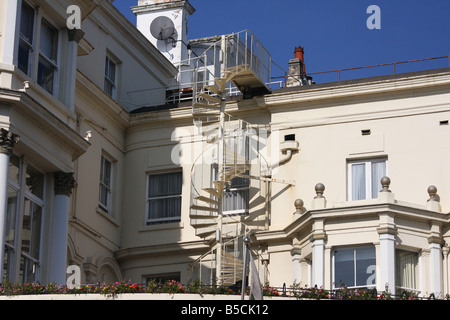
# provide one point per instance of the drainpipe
(287, 147)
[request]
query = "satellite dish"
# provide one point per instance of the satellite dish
(162, 28)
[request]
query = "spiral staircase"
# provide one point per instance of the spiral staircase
(229, 148)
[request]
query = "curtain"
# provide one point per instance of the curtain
(164, 196)
(407, 269)
(238, 197)
(378, 172)
(358, 181)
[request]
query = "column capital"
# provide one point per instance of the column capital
(64, 183)
(7, 141)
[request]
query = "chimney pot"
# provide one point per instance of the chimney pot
(299, 53)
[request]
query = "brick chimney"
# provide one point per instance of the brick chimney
(297, 71)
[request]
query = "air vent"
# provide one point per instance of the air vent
(289, 137)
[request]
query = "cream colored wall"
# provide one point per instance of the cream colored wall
(404, 129)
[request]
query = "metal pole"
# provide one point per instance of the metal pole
(244, 273)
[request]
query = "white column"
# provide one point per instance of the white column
(445, 251)
(318, 249)
(387, 263)
(64, 183)
(7, 142)
(296, 270)
(75, 35)
(436, 270)
(11, 31)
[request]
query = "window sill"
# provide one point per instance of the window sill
(162, 226)
(107, 216)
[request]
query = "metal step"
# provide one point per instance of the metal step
(214, 89)
(213, 191)
(197, 207)
(209, 98)
(214, 106)
(206, 199)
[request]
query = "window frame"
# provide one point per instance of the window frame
(229, 189)
(355, 285)
(398, 288)
(108, 207)
(29, 44)
(25, 247)
(52, 62)
(39, 201)
(109, 60)
(368, 165)
(154, 221)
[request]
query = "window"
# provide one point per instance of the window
(26, 38)
(164, 198)
(31, 225)
(236, 194)
(110, 77)
(354, 267)
(48, 50)
(105, 192)
(406, 271)
(25, 202)
(364, 178)
(11, 216)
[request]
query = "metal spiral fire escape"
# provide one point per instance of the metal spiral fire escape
(231, 145)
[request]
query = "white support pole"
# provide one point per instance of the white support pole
(318, 255)
(64, 183)
(387, 262)
(436, 270)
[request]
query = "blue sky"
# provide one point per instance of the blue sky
(334, 33)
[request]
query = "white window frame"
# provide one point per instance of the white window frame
(54, 64)
(36, 200)
(112, 82)
(108, 207)
(368, 175)
(30, 45)
(354, 248)
(153, 221)
(230, 188)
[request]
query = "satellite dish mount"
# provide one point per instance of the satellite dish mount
(163, 28)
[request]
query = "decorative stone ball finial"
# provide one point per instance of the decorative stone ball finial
(320, 188)
(432, 191)
(385, 183)
(298, 205)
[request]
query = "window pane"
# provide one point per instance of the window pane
(27, 22)
(28, 269)
(48, 41)
(31, 233)
(45, 75)
(11, 216)
(406, 269)
(344, 268)
(236, 200)
(378, 172)
(164, 208)
(164, 197)
(23, 57)
(358, 181)
(164, 184)
(365, 266)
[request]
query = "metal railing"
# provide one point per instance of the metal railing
(393, 69)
